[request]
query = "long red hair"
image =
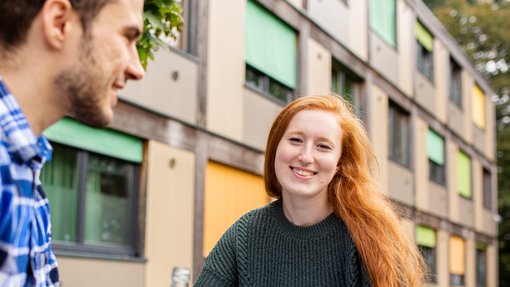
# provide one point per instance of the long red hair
(390, 256)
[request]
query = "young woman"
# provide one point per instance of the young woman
(329, 226)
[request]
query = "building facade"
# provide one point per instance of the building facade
(183, 158)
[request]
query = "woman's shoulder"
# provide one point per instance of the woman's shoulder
(256, 213)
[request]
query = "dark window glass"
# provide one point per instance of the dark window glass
(425, 61)
(487, 190)
(457, 280)
(348, 85)
(429, 254)
(481, 268)
(455, 83)
(399, 136)
(437, 173)
(267, 85)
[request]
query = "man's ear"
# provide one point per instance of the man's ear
(56, 16)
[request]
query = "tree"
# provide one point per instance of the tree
(162, 21)
(483, 31)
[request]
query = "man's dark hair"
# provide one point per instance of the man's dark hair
(16, 17)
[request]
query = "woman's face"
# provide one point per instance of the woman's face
(308, 153)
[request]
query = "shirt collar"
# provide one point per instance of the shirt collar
(20, 139)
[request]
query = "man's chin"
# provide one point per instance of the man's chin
(97, 120)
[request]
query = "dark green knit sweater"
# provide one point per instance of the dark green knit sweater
(264, 249)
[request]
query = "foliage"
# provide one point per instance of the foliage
(162, 23)
(483, 31)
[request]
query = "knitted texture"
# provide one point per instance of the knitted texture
(264, 249)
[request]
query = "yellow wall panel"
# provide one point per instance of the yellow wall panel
(229, 193)
(478, 107)
(457, 255)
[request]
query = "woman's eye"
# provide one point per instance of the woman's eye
(295, 140)
(324, 146)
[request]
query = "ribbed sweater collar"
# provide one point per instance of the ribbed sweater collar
(330, 225)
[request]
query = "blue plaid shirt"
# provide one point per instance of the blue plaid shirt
(26, 258)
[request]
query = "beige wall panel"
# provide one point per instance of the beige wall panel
(332, 16)
(358, 28)
(455, 117)
(401, 183)
(378, 103)
(383, 58)
(169, 87)
(169, 217)
(479, 138)
(421, 168)
(466, 211)
(85, 272)
(406, 42)
(259, 113)
(453, 196)
(443, 268)
(489, 225)
(492, 266)
(467, 93)
(409, 228)
(441, 67)
(297, 3)
(438, 199)
(319, 69)
(225, 67)
(425, 92)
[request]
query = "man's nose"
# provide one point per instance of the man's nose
(134, 70)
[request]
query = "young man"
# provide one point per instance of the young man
(57, 58)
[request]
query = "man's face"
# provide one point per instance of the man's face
(107, 59)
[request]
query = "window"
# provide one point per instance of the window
(463, 174)
(425, 57)
(457, 261)
(426, 241)
(270, 54)
(455, 83)
(481, 265)
(435, 151)
(399, 136)
(478, 107)
(92, 193)
(348, 85)
(383, 20)
(487, 189)
(266, 85)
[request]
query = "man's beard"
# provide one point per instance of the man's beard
(85, 86)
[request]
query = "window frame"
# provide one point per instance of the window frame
(431, 275)
(404, 116)
(455, 83)
(102, 249)
(338, 85)
(437, 172)
(481, 273)
(487, 189)
(264, 86)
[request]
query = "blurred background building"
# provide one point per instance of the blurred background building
(184, 156)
